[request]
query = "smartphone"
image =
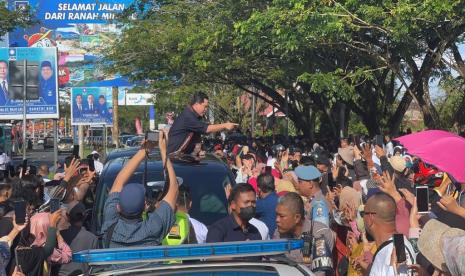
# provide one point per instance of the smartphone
(400, 248)
(76, 151)
(152, 136)
(54, 205)
(24, 166)
(91, 164)
(20, 211)
(379, 140)
(422, 194)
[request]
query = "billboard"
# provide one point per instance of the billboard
(41, 83)
(91, 106)
(79, 29)
(139, 99)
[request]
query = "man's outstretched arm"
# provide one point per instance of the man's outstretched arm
(220, 127)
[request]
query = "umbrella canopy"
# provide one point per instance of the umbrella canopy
(444, 150)
(420, 139)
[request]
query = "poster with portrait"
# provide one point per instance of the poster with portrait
(41, 83)
(79, 29)
(91, 106)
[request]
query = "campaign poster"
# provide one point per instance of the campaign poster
(79, 29)
(41, 83)
(91, 106)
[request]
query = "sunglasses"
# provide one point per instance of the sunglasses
(363, 213)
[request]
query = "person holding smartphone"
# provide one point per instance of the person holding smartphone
(379, 217)
(31, 257)
(122, 214)
(5, 244)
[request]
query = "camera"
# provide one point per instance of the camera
(152, 136)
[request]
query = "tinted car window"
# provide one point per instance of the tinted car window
(206, 186)
(66, 140)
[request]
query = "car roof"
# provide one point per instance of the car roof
(217, 267)
(208, 163)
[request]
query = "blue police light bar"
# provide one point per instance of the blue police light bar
(186, 252)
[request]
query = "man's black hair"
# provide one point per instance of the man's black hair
(184, 196)
(239, 189)
(198, 97)
(266, 183)
(101, 97)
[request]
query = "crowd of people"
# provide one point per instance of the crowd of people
(352, 202)
(38, 237)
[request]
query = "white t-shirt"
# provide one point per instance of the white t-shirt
(200, 230)
(4, 159)
(262, 228)
(98, 166)
(382, 262)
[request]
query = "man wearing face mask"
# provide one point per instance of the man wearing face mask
(236, 226)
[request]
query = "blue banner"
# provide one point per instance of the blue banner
(91, 106)
(79, 29)
(41, 81)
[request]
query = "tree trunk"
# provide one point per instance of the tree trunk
(396, 119)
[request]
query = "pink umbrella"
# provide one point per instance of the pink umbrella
(444, 150)
(419, 139)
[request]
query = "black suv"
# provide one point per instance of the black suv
(206, 181)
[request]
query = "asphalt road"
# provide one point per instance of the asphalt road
(39, 156)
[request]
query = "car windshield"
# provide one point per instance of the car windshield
(66, 140)
(206, 188)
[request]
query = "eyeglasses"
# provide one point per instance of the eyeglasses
(363, 213)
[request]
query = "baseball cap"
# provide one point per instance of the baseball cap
(132, 199)
(307, 173)
(347, 154)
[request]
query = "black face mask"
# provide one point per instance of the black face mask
(370, 238)
(247, 213)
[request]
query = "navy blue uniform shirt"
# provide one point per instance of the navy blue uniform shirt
(186, 131)
(227, 230)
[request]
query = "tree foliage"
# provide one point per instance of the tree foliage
(9, 20)
(372, 58)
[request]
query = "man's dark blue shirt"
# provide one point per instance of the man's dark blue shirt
(266, 211)
(187, 124)
(227, 230)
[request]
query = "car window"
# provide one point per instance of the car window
(209, 202)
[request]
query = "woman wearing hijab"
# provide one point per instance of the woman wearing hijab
(48, 246)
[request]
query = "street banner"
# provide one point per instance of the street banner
(79, 29)
(41, 83)
(139, 99)
(91, 106)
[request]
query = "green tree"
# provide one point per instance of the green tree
(9, 20)
(313, 60)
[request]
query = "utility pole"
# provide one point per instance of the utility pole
(55, 142)
(115, 130)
